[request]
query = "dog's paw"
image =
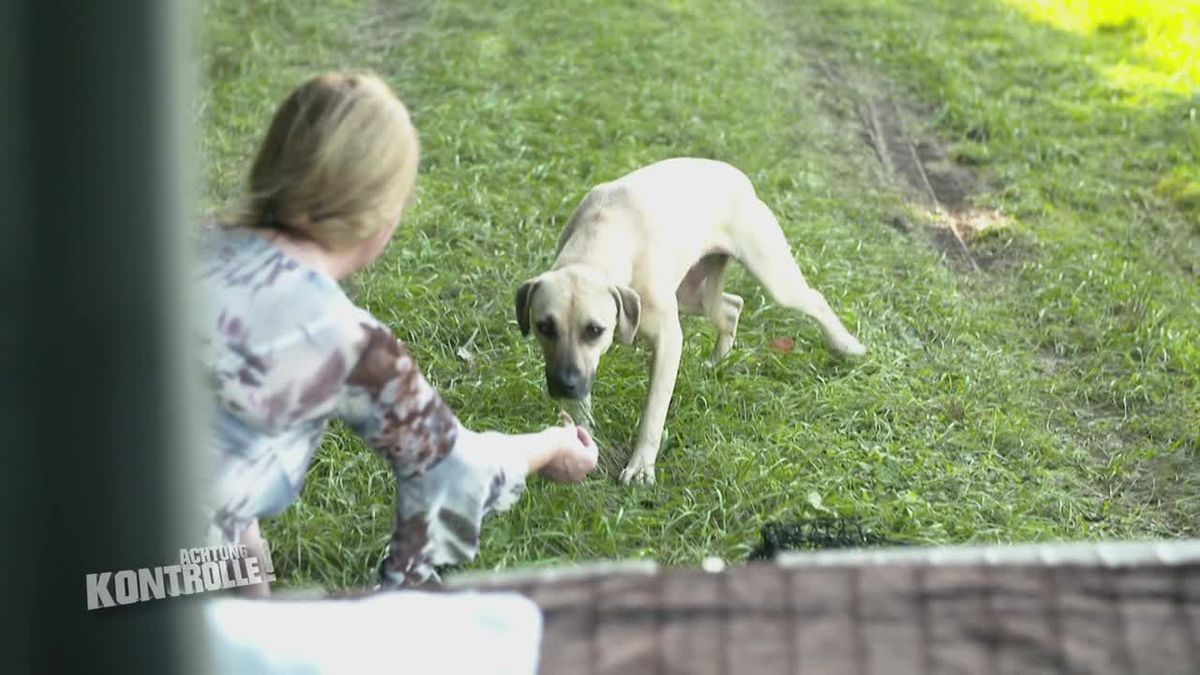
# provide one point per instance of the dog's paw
(638, 473)
(850, 347)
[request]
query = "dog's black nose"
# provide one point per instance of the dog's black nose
(566, 383)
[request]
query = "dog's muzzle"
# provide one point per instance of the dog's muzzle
(568, 383)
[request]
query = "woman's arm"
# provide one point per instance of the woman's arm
(448, 477)
(546, 451)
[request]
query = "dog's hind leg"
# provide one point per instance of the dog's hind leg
(702, 293)
(725, 312)
(764, 252)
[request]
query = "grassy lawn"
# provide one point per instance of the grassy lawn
(1052, 393)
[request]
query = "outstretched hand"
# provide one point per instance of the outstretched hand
(575, 454)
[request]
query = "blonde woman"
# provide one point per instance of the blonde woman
(285, 351)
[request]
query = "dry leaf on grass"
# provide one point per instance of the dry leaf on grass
(783, 344)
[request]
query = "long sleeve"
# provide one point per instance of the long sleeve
(284, 351)
(448, 478)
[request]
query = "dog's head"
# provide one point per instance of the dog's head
(576, 315)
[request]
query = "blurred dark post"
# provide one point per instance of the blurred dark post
(94, 150)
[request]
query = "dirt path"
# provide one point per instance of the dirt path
(914, 160)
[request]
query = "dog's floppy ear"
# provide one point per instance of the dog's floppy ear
(629, 313)
(524, 295)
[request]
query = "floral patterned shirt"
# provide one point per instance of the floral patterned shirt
(284, 351)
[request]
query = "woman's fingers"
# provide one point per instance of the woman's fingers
(584, 437)
(575, 457)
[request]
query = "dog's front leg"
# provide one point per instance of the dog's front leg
(668, 348)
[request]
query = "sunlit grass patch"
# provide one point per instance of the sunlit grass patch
(1182, 186)
(1165, 35)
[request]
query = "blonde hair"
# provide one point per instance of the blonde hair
(338, 161)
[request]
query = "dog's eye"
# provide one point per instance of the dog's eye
(546, 328)
(592, 331)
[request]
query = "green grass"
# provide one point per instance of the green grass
(1053, 395)
(1166, 35)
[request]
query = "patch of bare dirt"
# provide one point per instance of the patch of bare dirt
(939, 188)
(1001, 248)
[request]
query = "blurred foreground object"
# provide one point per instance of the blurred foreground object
(1098, 608)
(400, 632)
(94, 145)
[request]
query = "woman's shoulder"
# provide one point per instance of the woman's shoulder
(236, 261)
(272, 299)
(357, 325)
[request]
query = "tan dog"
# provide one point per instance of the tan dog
(639, 251)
